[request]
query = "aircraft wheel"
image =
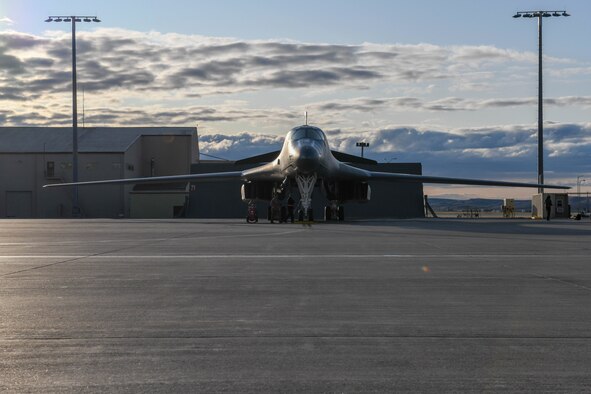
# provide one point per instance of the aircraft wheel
(327, 213)
(301, 215)
(310, 215)
(341, 213)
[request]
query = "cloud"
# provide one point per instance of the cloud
(6, 21)
(135, 78)
(148, 79)
(247, 144)
(112, 61)
(330, 112)
(446, 104)
(494, 153)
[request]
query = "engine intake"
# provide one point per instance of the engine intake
(257, 191)
(347, 191)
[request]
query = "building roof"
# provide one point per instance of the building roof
(90, 139)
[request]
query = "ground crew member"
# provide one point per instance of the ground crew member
(290, 208)
(275, 209)
(548, 204)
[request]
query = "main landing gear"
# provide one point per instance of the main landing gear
(334, 211)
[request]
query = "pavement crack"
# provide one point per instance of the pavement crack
(563, 281)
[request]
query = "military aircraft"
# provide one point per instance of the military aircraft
(306, 161)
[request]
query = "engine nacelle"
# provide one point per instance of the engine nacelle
(257, 191)
(347, 191)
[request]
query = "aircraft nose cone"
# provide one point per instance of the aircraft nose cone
(308, 159)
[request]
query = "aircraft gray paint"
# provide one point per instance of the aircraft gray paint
(307, 160)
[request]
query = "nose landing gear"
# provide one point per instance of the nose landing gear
(306, 186)
(306, 216)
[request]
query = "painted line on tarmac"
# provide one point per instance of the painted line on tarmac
(284, 256)
(178, 236)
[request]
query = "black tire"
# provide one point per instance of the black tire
(341, 213)
(301, 215)
(310, 215)
(327, 213)
(283, 215)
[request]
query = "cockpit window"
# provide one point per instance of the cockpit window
(307, 132)
(314, 134)
(299, 134)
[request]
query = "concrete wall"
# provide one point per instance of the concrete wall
(17, 175)
(156, 205)
(26, 172)
(388, 199)
(172, 154)
(95, 201)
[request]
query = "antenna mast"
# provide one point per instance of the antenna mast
(306, 117)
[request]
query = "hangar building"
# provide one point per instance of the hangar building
(33, 156)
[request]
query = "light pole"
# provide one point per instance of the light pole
(540, 14)
(362, 145)
(73, 19)
(579, 181)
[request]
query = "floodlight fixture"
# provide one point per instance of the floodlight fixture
(70, 18)
(540, 14)
(362, 145)
(537, 14)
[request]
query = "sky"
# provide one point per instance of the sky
(451, 84)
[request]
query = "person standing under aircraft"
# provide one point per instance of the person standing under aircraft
(275, 209)
(548, 204)
(290, 208)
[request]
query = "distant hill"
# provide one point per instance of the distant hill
(489, 204)
(483, 204)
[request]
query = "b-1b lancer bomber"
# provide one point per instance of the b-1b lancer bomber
(304, 161)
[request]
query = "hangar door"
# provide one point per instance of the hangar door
(19, 204)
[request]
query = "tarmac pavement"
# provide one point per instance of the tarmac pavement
(430, 305)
